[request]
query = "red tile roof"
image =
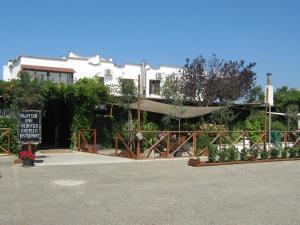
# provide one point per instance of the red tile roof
(48, 68)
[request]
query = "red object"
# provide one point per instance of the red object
(27, 154)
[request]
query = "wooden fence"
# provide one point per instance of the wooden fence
(5, 135)
(166, 144)
(86, 140)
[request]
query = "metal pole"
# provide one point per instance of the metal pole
(138, 149)
(269, 96)
(139, 104)
(269, 126)
(266, 127)
(143, 79)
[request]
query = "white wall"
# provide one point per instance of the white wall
(89, 67)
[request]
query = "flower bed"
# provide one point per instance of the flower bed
(197, 162)
(230, 155)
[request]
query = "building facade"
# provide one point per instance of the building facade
(73, 67)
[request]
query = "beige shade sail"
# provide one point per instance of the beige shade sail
(173, 110)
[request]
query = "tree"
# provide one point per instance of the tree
(292, 118)
(172, 88)
(204, 82)
(27, 94)
(173, 92)
(288, 101)
(256, 95)
(224, 116)
(6, 92)
(82, 99)
(126, 93)
(284, 97)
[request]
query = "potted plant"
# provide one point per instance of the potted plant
(223, 154)
(284, 152)
(212, 153)
(28, 158)
(244, 155)
(264, 154)
(292, 152)
(254, 153)
(232, 154)
(275, 152)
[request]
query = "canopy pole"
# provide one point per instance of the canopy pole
(138, 147)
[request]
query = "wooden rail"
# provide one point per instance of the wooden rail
(86, 140)
(166, 144)
(5, 137)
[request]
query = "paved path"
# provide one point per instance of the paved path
(75, 158)
(150, 192)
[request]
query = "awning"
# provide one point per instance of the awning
(48, 68)
(175, 111)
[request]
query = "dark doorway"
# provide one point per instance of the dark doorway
(56, 125)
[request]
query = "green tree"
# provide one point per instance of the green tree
(256, 95)
(172, 91)
(288, 101)
(255, 122)
(82, 98)
(224, 116)
(283, 97)
(27, 94)
(6, 92)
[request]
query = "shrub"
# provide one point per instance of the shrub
(244, 156)
(12, 124)
(254, 153)
(235, 135)
(275, 152)
(284, 152)
(298, 151)
(212, 153)
(211, 127)
(223, 154)
(292, 152)
(151, 137)
(278, 126)
(264, 154)
(255, 122)
(232, 154)
(203, 141)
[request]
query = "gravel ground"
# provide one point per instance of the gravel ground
(150, 192)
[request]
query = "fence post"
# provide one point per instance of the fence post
(9, 133)
(168, 145)
(95, 137)
(244, 141)
(219, 133)
(194, 143)
(78, 139)
(285, 138)
(116, 144)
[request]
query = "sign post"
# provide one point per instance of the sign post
(30, 131)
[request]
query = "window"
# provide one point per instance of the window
(127, 85)
(41, 75)
(30, 72)
(158, 76)
(37, 74)
(154, 87)
(101, 80)
(54, 77)
(107, 75)
(57, 77)
(66, 78)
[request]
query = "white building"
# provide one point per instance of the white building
(73, 67)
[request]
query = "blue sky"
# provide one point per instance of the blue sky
(161, 32)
